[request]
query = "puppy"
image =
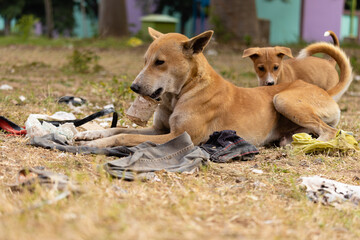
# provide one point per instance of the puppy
(271, 69)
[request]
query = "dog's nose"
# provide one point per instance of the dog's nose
(135, 88)
(270, 83)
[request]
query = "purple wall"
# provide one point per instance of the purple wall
(134, 13)
(320, 16)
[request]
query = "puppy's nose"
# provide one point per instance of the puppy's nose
(135, 88)
(270, 83)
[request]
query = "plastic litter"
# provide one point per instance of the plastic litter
(141, 110)
(35, 128)
(343, 142)
(62, 123)
(330, 192)
(75, 101)
(6, 87)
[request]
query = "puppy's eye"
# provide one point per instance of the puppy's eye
(276, 68)
(159, 62)
(261, 68)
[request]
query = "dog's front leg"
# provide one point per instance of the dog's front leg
(96, 134)
(129, 140)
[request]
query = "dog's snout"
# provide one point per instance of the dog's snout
(135, 88)
(270, 83)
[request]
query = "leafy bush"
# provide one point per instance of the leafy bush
(25, 26)
(83, 61)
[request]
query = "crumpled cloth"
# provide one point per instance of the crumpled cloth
(177, 155)
(330, 192)
(343, 142)
(225, 146)
(56, 141)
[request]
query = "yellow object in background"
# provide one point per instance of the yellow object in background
(343, 142)
(134, 42)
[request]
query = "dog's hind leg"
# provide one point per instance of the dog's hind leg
(310, 107)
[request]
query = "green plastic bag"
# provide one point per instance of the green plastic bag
(343, 143)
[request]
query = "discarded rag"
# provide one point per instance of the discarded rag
(226, 145)
(343, 142)
(28, 177)
(56, 141)
(329, 192)
(176, 155)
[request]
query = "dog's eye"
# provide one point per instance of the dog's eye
(276, 68)
(159, 62)
(261, 68)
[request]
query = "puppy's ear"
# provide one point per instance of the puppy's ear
(197, 44)
(154, 34)
(281, 51)
(251, 52)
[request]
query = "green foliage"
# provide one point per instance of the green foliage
(118, 89)
(355, 64)
(277, 169)
(25, 26)
(83, 61)
(11, 8)
(248, 40)
(106, 43)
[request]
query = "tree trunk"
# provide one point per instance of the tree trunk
(49, 18)
(237, 17)
(7, 28)
(83, 15)
(112, 18)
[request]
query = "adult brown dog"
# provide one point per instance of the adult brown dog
(195, 99)
(271, 69)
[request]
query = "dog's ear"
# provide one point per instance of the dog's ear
(251, 52)
(154, 34)
(281, 51)
(197, 44)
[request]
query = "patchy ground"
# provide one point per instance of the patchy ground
(222, 201)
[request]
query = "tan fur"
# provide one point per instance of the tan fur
(342, 60)
(271, 69)
(195, 99)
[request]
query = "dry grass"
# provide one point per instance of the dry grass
(222, 201)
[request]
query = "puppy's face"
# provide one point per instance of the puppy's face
(267, 63)
(169, 62)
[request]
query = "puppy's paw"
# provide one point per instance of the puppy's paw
(88, 135)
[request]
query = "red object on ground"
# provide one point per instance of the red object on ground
(10, 127)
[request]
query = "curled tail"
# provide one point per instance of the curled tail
(341, 59)
(333, 36)
(335, 41)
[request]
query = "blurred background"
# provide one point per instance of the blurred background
(246, 21)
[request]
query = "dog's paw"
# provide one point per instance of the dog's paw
(99, 143)
(88, 135)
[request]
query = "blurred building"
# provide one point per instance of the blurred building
(290, 20)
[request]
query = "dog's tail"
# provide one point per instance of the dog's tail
(335, 41)
(341, 59)
(333, 36)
